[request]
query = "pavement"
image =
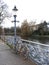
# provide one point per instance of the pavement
(7, 57)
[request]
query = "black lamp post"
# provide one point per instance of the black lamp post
(15, 41)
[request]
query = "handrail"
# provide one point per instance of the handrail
(32, 42)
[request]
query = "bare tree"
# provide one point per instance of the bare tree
(3, 11)
(25, 29)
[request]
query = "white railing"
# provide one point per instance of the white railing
(34, 50)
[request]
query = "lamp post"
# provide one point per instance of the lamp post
(15, 41)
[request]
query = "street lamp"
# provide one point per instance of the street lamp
(15, 41)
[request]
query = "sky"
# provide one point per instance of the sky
(32, 10)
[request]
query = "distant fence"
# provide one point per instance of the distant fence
(34, 50)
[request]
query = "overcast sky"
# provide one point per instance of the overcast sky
(32, 10)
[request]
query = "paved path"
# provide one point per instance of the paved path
(9, 58)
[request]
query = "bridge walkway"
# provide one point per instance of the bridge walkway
(7, 57)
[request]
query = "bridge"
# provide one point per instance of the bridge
(35, 51)
(9, 57)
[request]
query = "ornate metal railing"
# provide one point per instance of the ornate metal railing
(34, 50)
